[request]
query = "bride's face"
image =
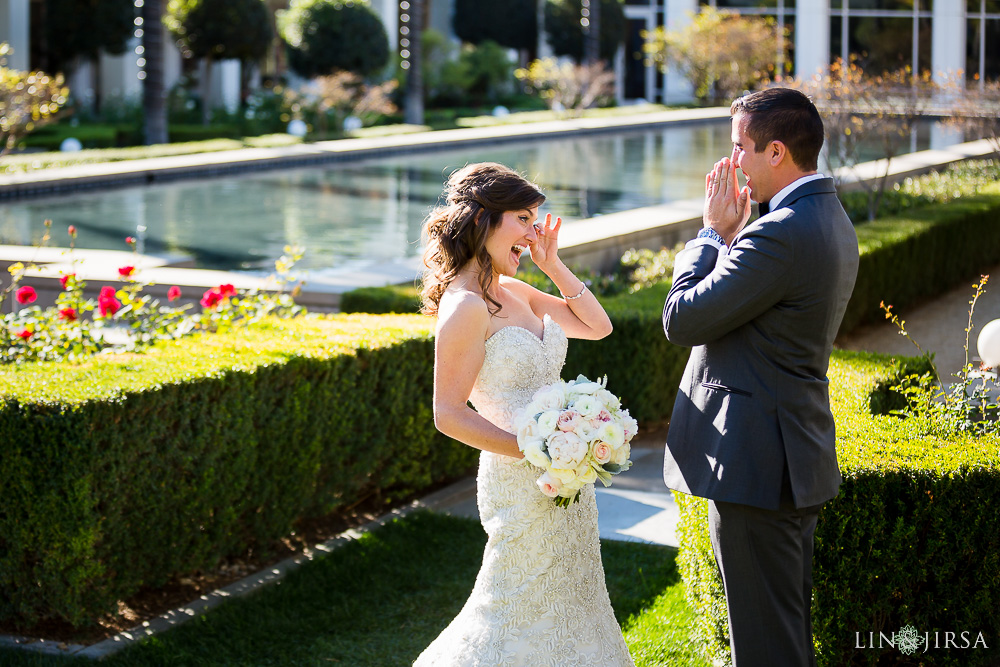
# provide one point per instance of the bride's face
(511, 238)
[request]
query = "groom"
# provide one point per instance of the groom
(751, 429)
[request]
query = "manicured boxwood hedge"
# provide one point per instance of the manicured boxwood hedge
(125, 470)
(910, 541)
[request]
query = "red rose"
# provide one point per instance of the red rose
(72, 231)
(64, 280)
(107, 292)
(24, 335)
(68, 314)
(211, 299)
(108, 306)
(26, 294)
(226, 290)
(174, 293)
(130, 240)
(126, 271)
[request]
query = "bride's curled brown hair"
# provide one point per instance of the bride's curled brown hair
(477, 197)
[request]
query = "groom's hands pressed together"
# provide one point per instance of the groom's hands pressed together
(727, 206)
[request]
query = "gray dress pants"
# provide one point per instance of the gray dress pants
(765, 557)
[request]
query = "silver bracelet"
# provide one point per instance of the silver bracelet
(571, 298)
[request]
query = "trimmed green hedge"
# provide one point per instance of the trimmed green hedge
(389, 299)
(923, 253)
(123, 471)
(910, 541)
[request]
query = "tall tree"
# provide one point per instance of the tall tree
(414, 76)
(565, 30)
(217, 30)
(154, 107)
(325, 36)
(513, 23)
(84, 28)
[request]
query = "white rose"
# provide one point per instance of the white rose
(534, 451)
(547, 423)
(588, 406)
(552, 397)
(586, 474)
(528, 431)
(564, 476)
(566, 449)
(585, 430)
(620, 455)
(612, 433)
(631, 426)
(608, 399)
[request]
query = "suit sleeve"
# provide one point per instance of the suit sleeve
(713, 295)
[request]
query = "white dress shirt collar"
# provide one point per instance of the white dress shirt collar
(787, 190)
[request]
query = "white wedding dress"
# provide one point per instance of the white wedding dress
(540, 597)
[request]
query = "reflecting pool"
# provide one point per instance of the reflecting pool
(352, 215)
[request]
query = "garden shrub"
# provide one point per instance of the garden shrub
(909, 541)
(388, 299)
(123, 471)
(922, 253)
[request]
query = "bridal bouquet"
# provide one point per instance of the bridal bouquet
(577, 433)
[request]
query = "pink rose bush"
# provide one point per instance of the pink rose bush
(577, 433)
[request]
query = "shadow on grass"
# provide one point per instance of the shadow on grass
(377, 601)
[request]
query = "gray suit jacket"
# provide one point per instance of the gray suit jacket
(762, 319)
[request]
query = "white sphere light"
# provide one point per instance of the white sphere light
(989, 344)
(70, 145)
(297, 128)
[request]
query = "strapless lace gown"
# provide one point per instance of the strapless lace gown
(540, 597)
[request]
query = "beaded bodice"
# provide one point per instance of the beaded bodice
(540, 598)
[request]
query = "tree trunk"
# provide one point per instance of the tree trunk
(592, 38)
(206, 90)
(154, 106)
(415, 75)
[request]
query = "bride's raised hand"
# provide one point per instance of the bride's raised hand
(546, 246)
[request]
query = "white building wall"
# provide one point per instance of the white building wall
(676, 87)
(812, 37)
(15, 18)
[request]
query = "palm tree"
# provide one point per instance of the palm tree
(415, 77)
(154, 107)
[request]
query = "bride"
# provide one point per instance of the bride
(540, 597)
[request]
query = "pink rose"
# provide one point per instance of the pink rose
(604, 416)
(64, 280)
(601, 451)
(549, 485)
(226, 290)
(210, 299)
(126, 271)
(174, 293)
(26, 294)
(71, 230)
(568, 421)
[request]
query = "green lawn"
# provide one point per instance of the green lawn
(380, 600)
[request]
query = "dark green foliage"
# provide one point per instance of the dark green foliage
(512, 23)
(84, 28)
(123, 473)
(923, 253)
(218, 29)
(565, 34)
(388, 299)
(325, 36)
(910, 540)
(642, 366)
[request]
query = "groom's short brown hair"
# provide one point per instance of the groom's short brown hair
(785, 115)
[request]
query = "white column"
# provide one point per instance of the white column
(172, 61)
(120, 75)
(14, 29)
(388, 11)
(812, 37)
(676, 87)
(948, 41)
(226, 85)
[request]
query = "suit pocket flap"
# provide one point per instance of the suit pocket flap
(730, 390)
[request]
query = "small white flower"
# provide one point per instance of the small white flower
(612, 433)
(588, 406)
(547, 423)
(534, 452)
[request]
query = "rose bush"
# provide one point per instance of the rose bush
(123, 318)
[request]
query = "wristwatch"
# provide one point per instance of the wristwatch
(709, 233)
